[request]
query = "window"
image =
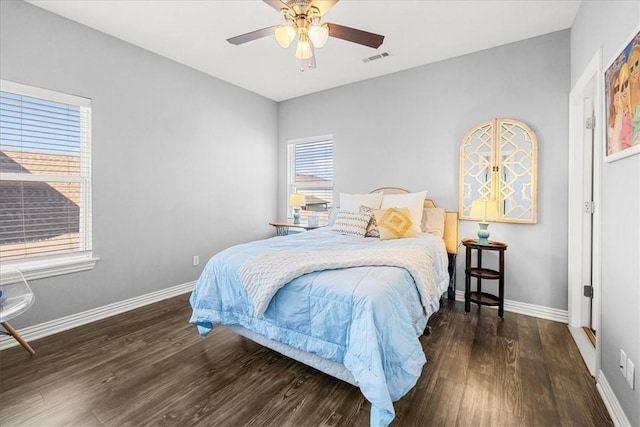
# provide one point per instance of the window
(311, 173)
(45, 180)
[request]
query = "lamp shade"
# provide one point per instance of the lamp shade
(319, 34)
(485, 210)
(285, 35)
(296, 200)
(303, 49)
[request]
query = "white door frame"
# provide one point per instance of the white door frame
(590, 84)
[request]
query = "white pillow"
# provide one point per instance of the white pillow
(412, 201)
(352, 202)
(433, 221)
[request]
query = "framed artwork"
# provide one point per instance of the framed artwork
(622, 101)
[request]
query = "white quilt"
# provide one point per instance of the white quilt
(262, 276)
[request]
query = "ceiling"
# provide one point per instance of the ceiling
(417, 32)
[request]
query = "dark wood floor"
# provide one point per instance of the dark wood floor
(150, 367)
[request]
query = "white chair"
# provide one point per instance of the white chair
(16, 298)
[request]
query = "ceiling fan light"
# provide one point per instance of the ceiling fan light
(319, 34)
(303, 50)
(285, 35)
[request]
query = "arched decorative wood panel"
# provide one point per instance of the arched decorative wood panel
(499, 161)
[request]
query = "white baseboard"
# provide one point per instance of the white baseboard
(533, 310)
(611, 402)
(55, 326)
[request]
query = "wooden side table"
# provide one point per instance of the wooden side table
(480, 273)
(282, 228)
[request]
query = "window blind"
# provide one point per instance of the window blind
(311, 174)
(45, 173)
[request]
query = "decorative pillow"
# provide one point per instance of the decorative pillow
(372, 228)
(413, 201)
(352, 202)
(395, 223)
(352, 223)
(433, 221)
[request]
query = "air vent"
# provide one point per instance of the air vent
(378, 56)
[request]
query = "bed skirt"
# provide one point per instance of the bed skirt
(329, 367)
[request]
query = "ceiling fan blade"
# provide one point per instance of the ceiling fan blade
(355, 36)
(276, 4)
(253, 35)
(323, 5)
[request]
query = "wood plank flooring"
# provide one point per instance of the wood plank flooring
(149, 367)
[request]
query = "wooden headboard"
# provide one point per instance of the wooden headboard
(451, 240)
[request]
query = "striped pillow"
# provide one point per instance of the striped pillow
(352, 223)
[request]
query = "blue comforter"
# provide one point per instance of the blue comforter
(368, 318)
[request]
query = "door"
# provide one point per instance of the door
(588, 140)
(586, 145)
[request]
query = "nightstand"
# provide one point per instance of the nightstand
(480, 273)
(282, 228)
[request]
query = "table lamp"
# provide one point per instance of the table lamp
(487, 210)
(296, 200)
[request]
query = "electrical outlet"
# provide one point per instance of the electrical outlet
(630, 373)
(196, 260)
(623, 363)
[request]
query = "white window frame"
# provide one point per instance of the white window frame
(291, 171)
(54, 265)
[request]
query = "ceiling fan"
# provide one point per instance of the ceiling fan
(303, 21)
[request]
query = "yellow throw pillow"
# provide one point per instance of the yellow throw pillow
(394, 223)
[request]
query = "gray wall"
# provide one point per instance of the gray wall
(176, 156)
(208, 145)
(405, 129)
(620, 324)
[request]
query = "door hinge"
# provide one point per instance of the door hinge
(588, 291)
(590, 122)
(589, 207)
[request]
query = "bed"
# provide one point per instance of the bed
(353, 307)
